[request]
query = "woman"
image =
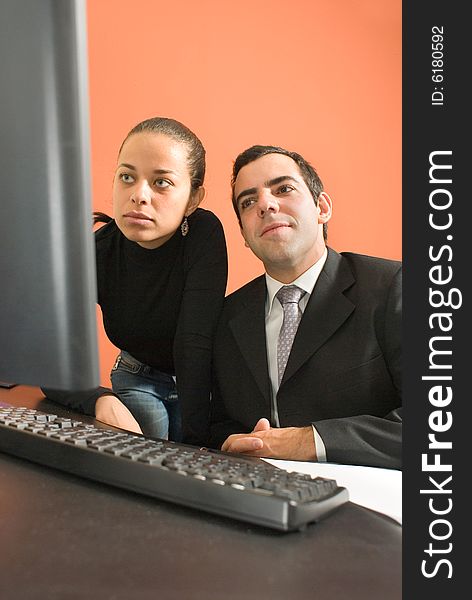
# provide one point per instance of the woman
(161, 273)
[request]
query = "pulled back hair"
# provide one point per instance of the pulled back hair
(307, 171)
(180, 133)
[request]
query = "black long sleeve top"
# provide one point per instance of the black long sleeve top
(162, 306)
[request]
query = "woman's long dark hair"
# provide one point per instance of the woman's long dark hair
(99, 217)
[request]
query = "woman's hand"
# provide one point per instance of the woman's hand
(112, 411)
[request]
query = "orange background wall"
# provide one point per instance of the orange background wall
(320, 77)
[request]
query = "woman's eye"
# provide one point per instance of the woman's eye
(162, 183)
(126, 178)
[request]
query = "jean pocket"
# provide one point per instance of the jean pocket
(123, 364)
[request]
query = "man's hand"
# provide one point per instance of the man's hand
(112, 411)
(290, 443)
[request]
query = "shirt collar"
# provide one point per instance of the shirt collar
(306, 281)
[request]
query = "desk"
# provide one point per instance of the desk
(63, 537)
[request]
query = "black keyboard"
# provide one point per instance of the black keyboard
(237, 487)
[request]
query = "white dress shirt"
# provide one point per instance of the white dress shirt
(274, 316)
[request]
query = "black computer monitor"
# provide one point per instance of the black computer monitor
(47, 263)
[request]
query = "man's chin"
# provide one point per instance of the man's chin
(278, 257)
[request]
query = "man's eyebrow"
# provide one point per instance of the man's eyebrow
(156, 171)
(277, 180)
(247, 192)
(268, 183)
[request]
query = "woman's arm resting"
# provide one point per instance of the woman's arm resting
(110, 410)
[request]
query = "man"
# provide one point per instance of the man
(312, 372)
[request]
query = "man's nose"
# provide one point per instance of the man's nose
(267, 202)
(142, 193)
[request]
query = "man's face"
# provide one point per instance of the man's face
(280, 221)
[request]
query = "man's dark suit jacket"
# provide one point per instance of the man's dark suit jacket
(343, 373)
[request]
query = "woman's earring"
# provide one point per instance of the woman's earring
(184, 227)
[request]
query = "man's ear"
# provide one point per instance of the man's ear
(325, 208)
(194, 200)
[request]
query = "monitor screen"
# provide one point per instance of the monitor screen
(47, 263)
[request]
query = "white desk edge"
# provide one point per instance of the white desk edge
(374, 488)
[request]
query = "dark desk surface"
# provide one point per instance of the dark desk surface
(64, 538)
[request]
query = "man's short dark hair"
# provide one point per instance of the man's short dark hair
(310, 176)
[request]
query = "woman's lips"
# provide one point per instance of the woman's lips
(137, 218)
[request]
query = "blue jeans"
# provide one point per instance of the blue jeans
(150, 395)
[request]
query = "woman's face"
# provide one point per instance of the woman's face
(151, 189)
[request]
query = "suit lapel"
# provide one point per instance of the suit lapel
(248, 328)
(325, 312)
